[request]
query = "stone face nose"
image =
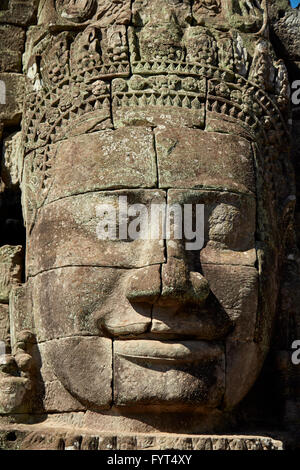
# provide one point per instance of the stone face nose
(180, 286)
(168, 284)
(144, 286)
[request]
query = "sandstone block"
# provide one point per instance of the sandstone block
(236, 290)
(12, 163)
(124, 158)
(83, 366)
(204, 323)
(168, 373)
(11, 260)
(20, 311)
(229, 223)
(67, 232)
(158, 101)
(106, 13)
(244, 361)
(4, 322)
(20, 12)
(286, 29)
(193, 158)
(93, 302)
(11, 110)
(12, 40)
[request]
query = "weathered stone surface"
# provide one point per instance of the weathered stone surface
(20, 12)
(10, 112)
(55, 398)
(158, 101)
(207, 13)
(69, 227)
(192, 158)
(241, 356)
(63, 14)
(4, 322)
(211, 255)
(229, 221)
(143, 421)
(12, 41)
(34, 438)
(196, 376)
(189, 321)
(107, 160)
(236, 290)
(90, 303)
(20, 312)
(144, 285)
(216, 122)
(12, 163)
(233, 295)
(17, 377)
(143, 13)
(67, 356)
(286, 21)
(179, 286)
(12, 393)
(76, 110)
(11, 260)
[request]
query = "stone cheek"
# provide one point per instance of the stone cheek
(84, 367)
(65, 234)
(236, 288)
(80, 301)
(241, 356)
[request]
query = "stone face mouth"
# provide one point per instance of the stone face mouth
(168, 373)
(168, 351)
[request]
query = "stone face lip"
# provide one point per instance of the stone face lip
(185, 351)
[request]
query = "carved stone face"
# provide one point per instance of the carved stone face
(163, 312)
(158, 119)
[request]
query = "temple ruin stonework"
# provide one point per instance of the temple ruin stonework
(142, 344)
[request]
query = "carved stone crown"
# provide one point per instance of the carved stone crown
(78, 80)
